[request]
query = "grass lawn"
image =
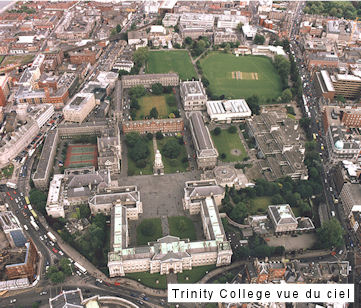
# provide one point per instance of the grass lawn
(171, 62)
(148, 102)
(218, 67)
(182, 227)
(195, 274)
(7, 171)
(156, 226)
(291, 116)
(260, 205)
(17, 59)
(1, 58)
(134, 170)
(176, 164)
(149, 280)
(226, 142)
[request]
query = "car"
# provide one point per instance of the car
(55, 250)
(12, 301)
(140, 302)
(51, 243)
(43, 293)
(14, 192)
(61, 253)
(41, 238)
(8, 193)
(146, 298)
(134, 294)
(11, 198)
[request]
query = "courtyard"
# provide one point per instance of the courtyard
(241, 77)
(146, 103)
(177, 61)
(230, 145)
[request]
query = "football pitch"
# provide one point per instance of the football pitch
(241, 77)
(171, 62)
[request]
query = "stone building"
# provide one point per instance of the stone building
(147, 80)
(109, 150)
(205, 151)
(193, 95)
(169, 254)
(282, 218)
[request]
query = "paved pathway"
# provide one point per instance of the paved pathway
(222, 269)
(165, 226)
(124, 166)
(172, 278)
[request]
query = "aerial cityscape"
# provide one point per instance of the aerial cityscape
(146, 143)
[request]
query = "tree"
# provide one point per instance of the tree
(223, 156)
(65, 266)
(238, 166)
(341, 99)
(134, 103)
(159, 135)
(139, 151)
(153, 114)
(232, 129)
(157, 88)
(259, 39)
(137, 91)
(205, 81)
(227, 48)
(217, 131)
(253, 103)
(38, 199)
(188, 40)
(118, 28)
(171, 149)
(239, 27)
(132, 138)
(286, 96)
(122, 73)
(141, 163)
(239, 212)
(84, 211)
(141, 55)
(149, 136)
(330, 234)
(57, 277)
(277, 199)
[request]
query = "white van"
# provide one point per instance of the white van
(26, 227)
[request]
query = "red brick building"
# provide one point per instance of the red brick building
(27, 268)
(154, 125)
(84, 56)
(351, 117)
(5, 83)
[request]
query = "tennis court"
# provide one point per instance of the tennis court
(81, 155)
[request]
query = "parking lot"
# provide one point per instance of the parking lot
(303, 241)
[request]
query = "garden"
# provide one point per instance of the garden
(229, 145)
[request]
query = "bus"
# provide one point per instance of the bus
(34, 214)
(81, 268)
(11, 185)
(34, 224)
(27, 200)
(314, 136)
(51, 236)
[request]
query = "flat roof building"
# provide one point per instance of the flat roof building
(205, 151)
(46, 160)
(351, 198)
(228, 111)
(79, 107)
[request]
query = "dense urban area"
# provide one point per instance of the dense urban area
(154, 142)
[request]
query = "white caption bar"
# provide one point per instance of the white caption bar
(265, 293)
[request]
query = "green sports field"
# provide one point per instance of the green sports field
(171, 62)
(241, 77)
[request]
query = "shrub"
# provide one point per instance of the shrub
(159, 135)
(238, 166)
(223, 155)
(150, 136)
(217, 131)
(141, 163)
